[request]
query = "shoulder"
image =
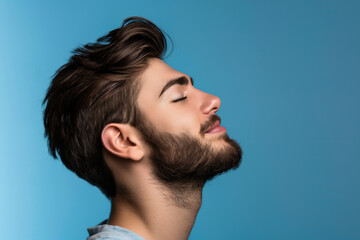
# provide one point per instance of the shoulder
(109, 232)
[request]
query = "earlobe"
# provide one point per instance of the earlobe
(121, 140)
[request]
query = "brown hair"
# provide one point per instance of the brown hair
(96, 87)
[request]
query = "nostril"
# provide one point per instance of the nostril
(210, 104)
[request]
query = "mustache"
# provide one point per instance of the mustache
(209, 123)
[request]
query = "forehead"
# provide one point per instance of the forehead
(155, 76)
(158, 72)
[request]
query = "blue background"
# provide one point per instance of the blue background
(288, 75)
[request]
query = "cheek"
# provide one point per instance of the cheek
(171, 117)
(175, 120)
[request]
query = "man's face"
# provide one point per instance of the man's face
(175, 122)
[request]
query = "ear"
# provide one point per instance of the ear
(123, 141)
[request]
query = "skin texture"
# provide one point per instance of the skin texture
(161, 166)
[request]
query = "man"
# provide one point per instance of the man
(125, 121)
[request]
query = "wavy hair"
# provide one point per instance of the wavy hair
(97, 86)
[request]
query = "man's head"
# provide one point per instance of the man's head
(118, 81)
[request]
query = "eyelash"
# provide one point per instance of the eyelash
(180, 99)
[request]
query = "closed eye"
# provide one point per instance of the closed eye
(180, 99)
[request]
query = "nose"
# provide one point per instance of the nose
(210, 103)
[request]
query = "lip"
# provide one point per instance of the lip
(216, 128)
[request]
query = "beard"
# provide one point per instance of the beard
(182, 161)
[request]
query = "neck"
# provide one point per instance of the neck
(157, 212)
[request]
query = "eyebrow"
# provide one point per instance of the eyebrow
(180, 81)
